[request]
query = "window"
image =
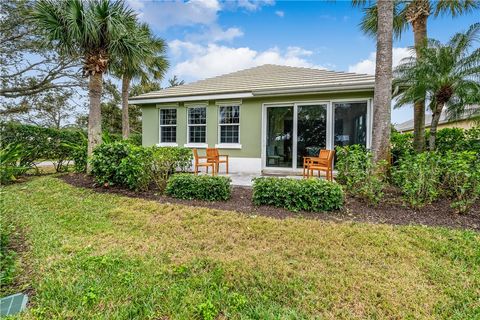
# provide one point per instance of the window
(197, 125)
(229, 122)
(350, 123)
(168, 125)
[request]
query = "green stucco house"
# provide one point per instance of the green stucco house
(265, 118)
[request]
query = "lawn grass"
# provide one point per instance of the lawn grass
(101, 256)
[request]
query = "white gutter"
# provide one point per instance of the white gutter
(356, 87)
(193, 98)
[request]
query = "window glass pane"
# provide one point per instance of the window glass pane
(197, 115)
(311, 131)
(230, 114)
(168, 134)
(350, 123)
(279, 137)
(168, 116)
(229, 134)
(197, 134)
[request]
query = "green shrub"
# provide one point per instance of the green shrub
(10, 168)
(402, 145)
(41, 143)
(461, 178)
(7, 255)
(166, 160)
(360, 176)
(106, 160)
(189, 186)
(294, 194)
(418, 176)
(134, 171)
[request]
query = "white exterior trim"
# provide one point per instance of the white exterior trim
(193, 98)
(228, 146)
(196, 145)
(167, 144)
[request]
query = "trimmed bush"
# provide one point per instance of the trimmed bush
(189, 186)
(166, 160)
(402, 145)
(461, 178)
(135, 170)
(294, 194)
(41, 143)
(418, 176)
(106, 160)
(360, 176)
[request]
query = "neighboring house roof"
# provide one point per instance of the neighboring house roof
(469, 111)
(264, 80)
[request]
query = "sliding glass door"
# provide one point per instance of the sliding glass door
(311, 131)
(301, 129)
(279, 147)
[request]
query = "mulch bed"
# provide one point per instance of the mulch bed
(390, 211)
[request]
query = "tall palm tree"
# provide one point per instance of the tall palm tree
(94, 29)
(383, 82)
(416, 13)
(146, 63)
(448, 75)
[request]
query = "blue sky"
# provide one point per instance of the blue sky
(208, 38)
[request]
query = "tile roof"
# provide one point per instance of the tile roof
(262, 79)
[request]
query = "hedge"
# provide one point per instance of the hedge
(204, 187)
(295, 194)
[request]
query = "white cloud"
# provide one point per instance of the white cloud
(253, 5)
(368, 65)
(177, 13)
(211, 60)
(280, 13)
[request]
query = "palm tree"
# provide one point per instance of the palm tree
(175, 81)
(94, 29)
(145, 63)
(448, 75)
(383, 82)
(416, 14)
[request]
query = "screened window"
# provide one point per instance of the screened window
(197, 125)
(168, 125)
(229, 122)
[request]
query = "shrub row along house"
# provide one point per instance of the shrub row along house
(265, 118)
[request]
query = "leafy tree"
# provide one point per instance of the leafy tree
(448, 73)
(175, 81)
(28, 66)
(97, 30)
(416, 13)
(145, 62)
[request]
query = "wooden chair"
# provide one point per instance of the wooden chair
(205, 164)
(321, 159)
(215, 157)
(324, 164)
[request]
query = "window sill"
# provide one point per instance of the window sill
(196, 145)
(167, 144)
(228, 146)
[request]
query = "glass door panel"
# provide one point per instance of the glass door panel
(350, 123)
(311, 131)
(279, 137)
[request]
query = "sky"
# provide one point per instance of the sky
(207, 38)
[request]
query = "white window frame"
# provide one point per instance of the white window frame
(236, 145)
(197, 144)
(160, 125)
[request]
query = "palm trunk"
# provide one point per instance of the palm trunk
(125, 119)
(419, 27)
(94, 116)
(383, 83)
(433, 127)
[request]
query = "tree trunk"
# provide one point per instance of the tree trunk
(383, 83)
(419, 26)
(125, 119)
(433, 127)
(94, 116)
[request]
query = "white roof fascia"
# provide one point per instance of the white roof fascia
(193, 98)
